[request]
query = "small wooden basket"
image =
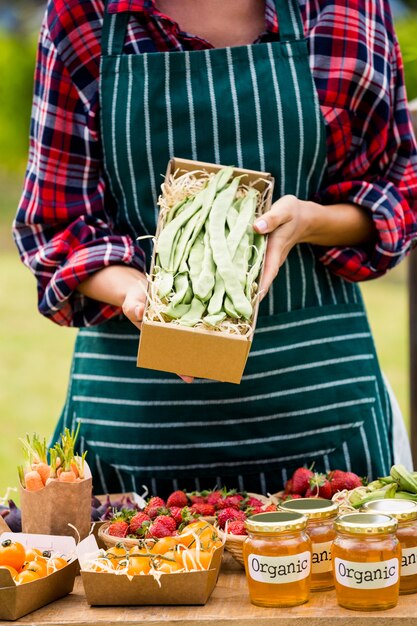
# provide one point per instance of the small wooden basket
(234, 545)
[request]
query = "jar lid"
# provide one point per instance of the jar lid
(366, 524)
(275, 522)
(402, 510)
(312, 508)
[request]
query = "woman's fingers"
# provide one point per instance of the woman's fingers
(281, 212)
(187, 379)
(134, 303)
(285, 228)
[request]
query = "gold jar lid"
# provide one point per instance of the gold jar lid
(402, 510)
(275, 522)
(312, 508)
(366, 524)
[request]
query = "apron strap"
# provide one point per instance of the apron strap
(114, 26)
(290, 24)
(114, 32)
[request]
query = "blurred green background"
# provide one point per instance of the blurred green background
(35, 354)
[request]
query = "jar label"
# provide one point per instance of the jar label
(322, 557)
(409, 561)
(375, 575)
(279, 569)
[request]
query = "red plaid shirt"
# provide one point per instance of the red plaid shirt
(61, 228)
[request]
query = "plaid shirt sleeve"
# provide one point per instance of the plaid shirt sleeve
(372, 151)
(62, 230)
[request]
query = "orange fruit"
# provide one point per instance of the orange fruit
(168, 566)
(35, 566)
(27, 576)
(32, 554)
(12, 553)
(141, 548)
(138, 564)
(11, 570)
(163, 545)
(205, 532)
(55, 564)
(116, 553)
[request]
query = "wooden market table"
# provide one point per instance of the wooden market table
(228, 606)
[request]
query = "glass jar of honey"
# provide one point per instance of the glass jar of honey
(277, 555)
(320, 514)
(366, 561)
(405, 511)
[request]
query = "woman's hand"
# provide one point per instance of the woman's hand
(285, 224)
(292, 221)
(122, 286)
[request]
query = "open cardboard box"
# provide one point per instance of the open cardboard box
(196, 351)
(107, 589)
(18, 600)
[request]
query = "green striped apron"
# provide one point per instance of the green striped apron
(312, 389)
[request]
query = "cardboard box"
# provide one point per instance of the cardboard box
(18, 600)
(195, 351)
(53, 508)
(104, 589)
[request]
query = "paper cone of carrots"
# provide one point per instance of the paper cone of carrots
(55, 496)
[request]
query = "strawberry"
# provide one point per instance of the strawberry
(233, 501)
(288, 486)
(176, 513)
(118, 529)
(214, 497)
(229, 514)
(159, 528)
(320, 486)
(254, 503)
(178, 498)
(236, 527)
(201, 508)
(254, 510)
(153, 506)
(197, 499)
(137, 522)
(169, 522)
(340, 480)
(300, 480)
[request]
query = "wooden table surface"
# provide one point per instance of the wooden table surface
(228, 606)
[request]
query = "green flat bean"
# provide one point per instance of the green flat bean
(216, 301)
(221, 254)
(177, 311)
(230, 309)
(178, 248)
(181, 285)
(194, 314)
(165, 282)
(245, 217)
(214, 320)
(205, 282)
(195, 261)
(176, 210)
(259, 241)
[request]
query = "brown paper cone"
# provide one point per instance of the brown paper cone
(50, 510)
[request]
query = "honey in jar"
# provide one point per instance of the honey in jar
(366, 561)
(405, 511)
(277, 556)
(320, 514)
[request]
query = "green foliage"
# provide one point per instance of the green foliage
(407, 36)
(17, 61)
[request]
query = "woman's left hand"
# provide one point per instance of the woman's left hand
(285, 224)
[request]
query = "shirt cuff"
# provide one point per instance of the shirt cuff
(395, 225)
(64, 305)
